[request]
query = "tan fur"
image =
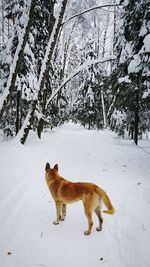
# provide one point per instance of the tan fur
(65, 192)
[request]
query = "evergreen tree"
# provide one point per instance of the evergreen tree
(88, 108)
(44, 73)
(22, 87)
(130, 79)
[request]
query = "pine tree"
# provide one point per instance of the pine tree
(89, 108)
(130, 79)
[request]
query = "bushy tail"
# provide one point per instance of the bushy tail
(106, 201)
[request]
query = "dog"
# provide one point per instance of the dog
(65, 192)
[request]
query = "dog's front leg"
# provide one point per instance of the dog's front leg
(58, 212)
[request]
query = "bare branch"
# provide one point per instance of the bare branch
(82, 67)
(88, 10)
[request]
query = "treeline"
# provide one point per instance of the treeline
(28, 67)
(121, 99)
(94, 69)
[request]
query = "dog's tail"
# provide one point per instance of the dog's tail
(106, 201)
(47, 166)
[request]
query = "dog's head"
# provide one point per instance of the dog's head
(51, 173)
(47, 167)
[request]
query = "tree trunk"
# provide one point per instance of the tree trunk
(28, 122)
(51, 45)
(103, 55)
(136, 130)
(105, 35)
(18, 113)
(89, 125)
(44, 72)
(103, 109)
(40, 125)
(43, 92)
(2, 22)
(47, 59)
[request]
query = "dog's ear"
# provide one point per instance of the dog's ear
(56, 167)
(47, 166)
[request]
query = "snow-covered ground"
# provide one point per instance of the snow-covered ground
(27, 236)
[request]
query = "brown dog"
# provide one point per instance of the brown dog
(65, 192)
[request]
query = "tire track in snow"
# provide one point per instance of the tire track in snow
(113, 245)
(11, 195)
(52, 146)
(19, 192)
(9, 218)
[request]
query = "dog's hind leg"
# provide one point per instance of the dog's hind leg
(58, 212)
(100, 219)
(63, 212)
(88, 213)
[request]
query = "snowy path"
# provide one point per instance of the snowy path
(27, 210)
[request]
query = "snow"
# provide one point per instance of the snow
(124, 79)
(27, 209)
(90, 9)
(5, 94)
(76, 72)
(49, 48)
(126, 52)
(147, 43)
(146, 93)
(135, 64)
(143, 30)
(25, 124)
(126, 2)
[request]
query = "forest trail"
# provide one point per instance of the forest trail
(27, 209)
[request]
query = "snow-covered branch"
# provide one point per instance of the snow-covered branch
(17, 60)
(76, 72)
(90, 9)
(51, 45)
(44, 70)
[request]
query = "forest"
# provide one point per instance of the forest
(74, 93)
(84, 61)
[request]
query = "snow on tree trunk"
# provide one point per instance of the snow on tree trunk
(103, 108)
(18, 57)
(17, 124)
(23, 133)
(47, 59)
(44, 69)
(51, 45)
(2, 24)
(136, 126)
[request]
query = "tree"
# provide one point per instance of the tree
(44, 71)
(131, 76)
(38, 60)
(89, 105)
(16, 62)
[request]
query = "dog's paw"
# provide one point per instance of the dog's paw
(56, 222)
(99, 228)
(62, 218)
(87, 232)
